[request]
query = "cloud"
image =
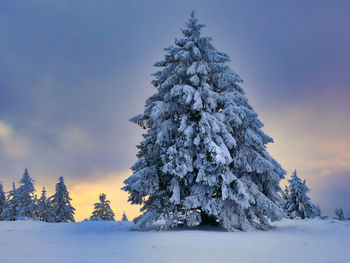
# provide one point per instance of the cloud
(11, 143)
(76, 139)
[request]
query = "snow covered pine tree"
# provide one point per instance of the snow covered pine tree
(339, 213)
(103, 210)
(25, 194)
(62, 209)
(298, 203)
(3, 202)
(44, 208)
(124, 218)
(203, 157)
(10, 212)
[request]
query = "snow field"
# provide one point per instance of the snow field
(312, 240)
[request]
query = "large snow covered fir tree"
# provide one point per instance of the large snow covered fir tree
(298, 204)
(102, 209)
(62, 209)
(203, 157)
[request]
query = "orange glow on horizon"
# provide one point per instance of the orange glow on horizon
(85, 194)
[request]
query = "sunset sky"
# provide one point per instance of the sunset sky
(73, 72)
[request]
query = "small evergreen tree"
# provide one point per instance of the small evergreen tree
(11, 212)
(203, 157)
(102, 210)
(340, 214)
(3, 202)
(124, 218)
(44, 208)
(62, 209)
(298, 203)
(26, 194)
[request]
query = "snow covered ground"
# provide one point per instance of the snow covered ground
(89, 242)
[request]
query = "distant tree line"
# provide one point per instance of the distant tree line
(21, 203)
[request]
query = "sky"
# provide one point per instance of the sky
(73, 72)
